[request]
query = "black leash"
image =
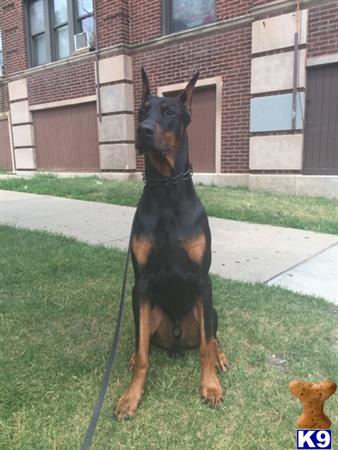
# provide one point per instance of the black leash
(109, 365)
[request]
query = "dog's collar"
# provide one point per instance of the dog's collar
(166, 181)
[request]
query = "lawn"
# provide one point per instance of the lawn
(58, 306)
(317, 214)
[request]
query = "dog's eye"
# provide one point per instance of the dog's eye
(169, 113)
(142, 111)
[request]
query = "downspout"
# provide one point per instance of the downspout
(296, 69)
(99, 111)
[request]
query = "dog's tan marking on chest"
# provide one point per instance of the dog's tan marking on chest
(141, 248)
(161, 164)
(195, 247)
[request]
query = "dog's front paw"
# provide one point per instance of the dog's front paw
(212, 392)
(126, 407)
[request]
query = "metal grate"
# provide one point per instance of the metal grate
(81, 40)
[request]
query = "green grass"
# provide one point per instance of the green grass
(317, 214)
(58, 306)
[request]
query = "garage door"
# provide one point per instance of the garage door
(202, 129)
(321, 122)
(5, 149)
(66, 138)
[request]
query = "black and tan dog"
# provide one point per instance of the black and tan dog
(171, 251)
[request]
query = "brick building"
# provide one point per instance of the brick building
(265, 111)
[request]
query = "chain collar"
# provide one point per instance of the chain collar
(166, 181)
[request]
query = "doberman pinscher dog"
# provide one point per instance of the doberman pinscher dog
(171, 251)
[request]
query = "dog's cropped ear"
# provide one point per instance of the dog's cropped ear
(186, 95)
(145, 85)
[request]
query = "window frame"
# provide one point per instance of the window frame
(50, 30)
(167, 13)
(54, 28)
(78, 18)
(32, 56)
(2, 66)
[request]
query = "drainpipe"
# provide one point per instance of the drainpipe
(296, 69)
(99, 112)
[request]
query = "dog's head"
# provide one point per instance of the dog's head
(163, 121)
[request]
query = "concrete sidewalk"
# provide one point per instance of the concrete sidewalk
(302, 261)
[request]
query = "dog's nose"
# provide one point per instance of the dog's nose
(145, 130)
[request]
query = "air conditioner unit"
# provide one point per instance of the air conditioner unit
(82, 41)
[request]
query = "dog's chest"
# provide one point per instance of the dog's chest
(179, 248)
(171, 250)
(175, 266)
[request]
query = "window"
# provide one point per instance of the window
(1, 57)
(184, 14)
(52, 24)
(85, 21)
(37, 24)
(61, 29)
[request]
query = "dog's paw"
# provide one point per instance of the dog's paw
(212, 393)
(126, 407)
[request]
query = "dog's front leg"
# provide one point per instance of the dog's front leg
(127, 405)
(211, 389)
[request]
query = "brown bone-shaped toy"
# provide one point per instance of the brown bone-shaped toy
(313, 396)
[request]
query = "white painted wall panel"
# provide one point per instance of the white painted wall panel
(17, 89)
(20, 112)
(275, 72)
(116, 128)
(274, 113)
(283, 152)
(117, 156)
(25, 158)
(117, 98)
(23, 135)
(278, 32)
(115, 68)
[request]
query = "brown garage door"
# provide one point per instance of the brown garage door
(321, 122)
(67, 139)
(5, 149)
(202, 129)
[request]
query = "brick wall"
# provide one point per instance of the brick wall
(145, 18)
(112, 22)
(144, 15)
(12, 25)
(61, 83)
(323, 30)
(227, 9)
(226, 53)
